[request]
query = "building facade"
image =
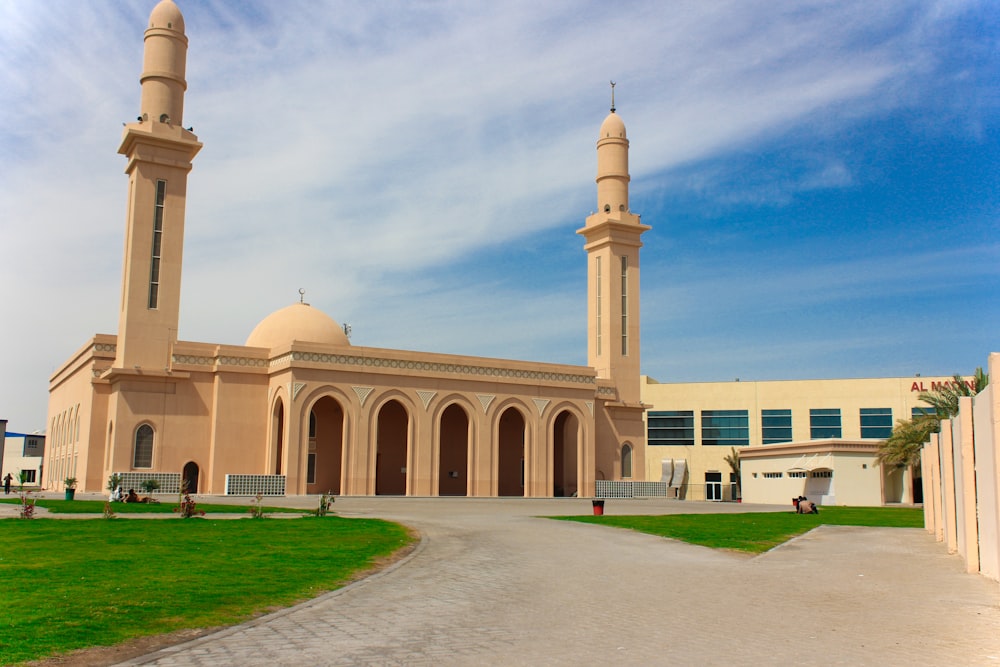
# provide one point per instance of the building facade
(297, 408)
(790, 427)
(21, 453)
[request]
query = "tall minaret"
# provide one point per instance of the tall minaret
(612, 245)
(159, 152)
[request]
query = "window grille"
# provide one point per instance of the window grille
(612, 488)
(251, 485)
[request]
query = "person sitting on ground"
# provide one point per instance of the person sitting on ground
(132, 496)
(116, 495)
(807, 506)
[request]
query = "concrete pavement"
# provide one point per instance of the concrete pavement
(493, 585)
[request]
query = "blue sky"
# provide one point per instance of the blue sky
(821, 178)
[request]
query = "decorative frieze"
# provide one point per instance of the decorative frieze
(191, 360)
(198, 360)
(438, 367)
(489, 372)
(242, 361)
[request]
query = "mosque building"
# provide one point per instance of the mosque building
(298, 409)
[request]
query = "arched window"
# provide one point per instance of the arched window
(142, 456)
(626, 461)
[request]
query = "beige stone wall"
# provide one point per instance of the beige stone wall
(964, 486)
(986, 424)
(77, 418)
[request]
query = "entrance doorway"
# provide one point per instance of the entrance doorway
(190, 477)
(326, 447)
(510, 469)
(713, 486)
(391, 443)
(564, 455)
(453, 470)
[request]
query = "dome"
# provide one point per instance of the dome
(613, 126)
(167, 15)
(300, 322)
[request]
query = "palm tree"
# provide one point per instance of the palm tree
(902, 448)
(945, 400)
(733, 459)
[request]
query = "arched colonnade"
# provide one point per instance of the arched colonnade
(425, 443)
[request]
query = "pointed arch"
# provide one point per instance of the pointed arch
(626, 461)
(511, 439)
(565, 441)
(190, 478)
(142, 446)
(325, 455)
(277, 438)
(454, 441)
(392, 444)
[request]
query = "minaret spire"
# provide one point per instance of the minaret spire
(159, 153)
(612, 243)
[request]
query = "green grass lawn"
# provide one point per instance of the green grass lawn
(166, 506)
(74, 584)
(755, 532)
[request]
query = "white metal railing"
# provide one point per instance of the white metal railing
(170, 482)
(614, 488)
(251, 485)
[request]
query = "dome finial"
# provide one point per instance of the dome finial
(302, 295)
(612, 97)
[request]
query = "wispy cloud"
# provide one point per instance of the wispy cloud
(366, 151)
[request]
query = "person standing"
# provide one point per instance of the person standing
(6, 484)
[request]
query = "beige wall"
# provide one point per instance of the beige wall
(986, 428)
(964, 485)
(799, 396)
(855, 478)
(13, 460)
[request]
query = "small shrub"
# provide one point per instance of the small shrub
(188, 508)
(108, 512)
(256, 507)
(114, 481)
(27, 507)
(325, 503)
(150, 485)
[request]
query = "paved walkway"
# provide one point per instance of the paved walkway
(492, 585)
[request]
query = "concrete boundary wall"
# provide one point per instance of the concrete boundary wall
(984, 415)
(962, 480)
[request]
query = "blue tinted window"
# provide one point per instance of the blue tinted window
(730, 428)
(876, 423)
(775, 426)
(824, 423)
(670, 427)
